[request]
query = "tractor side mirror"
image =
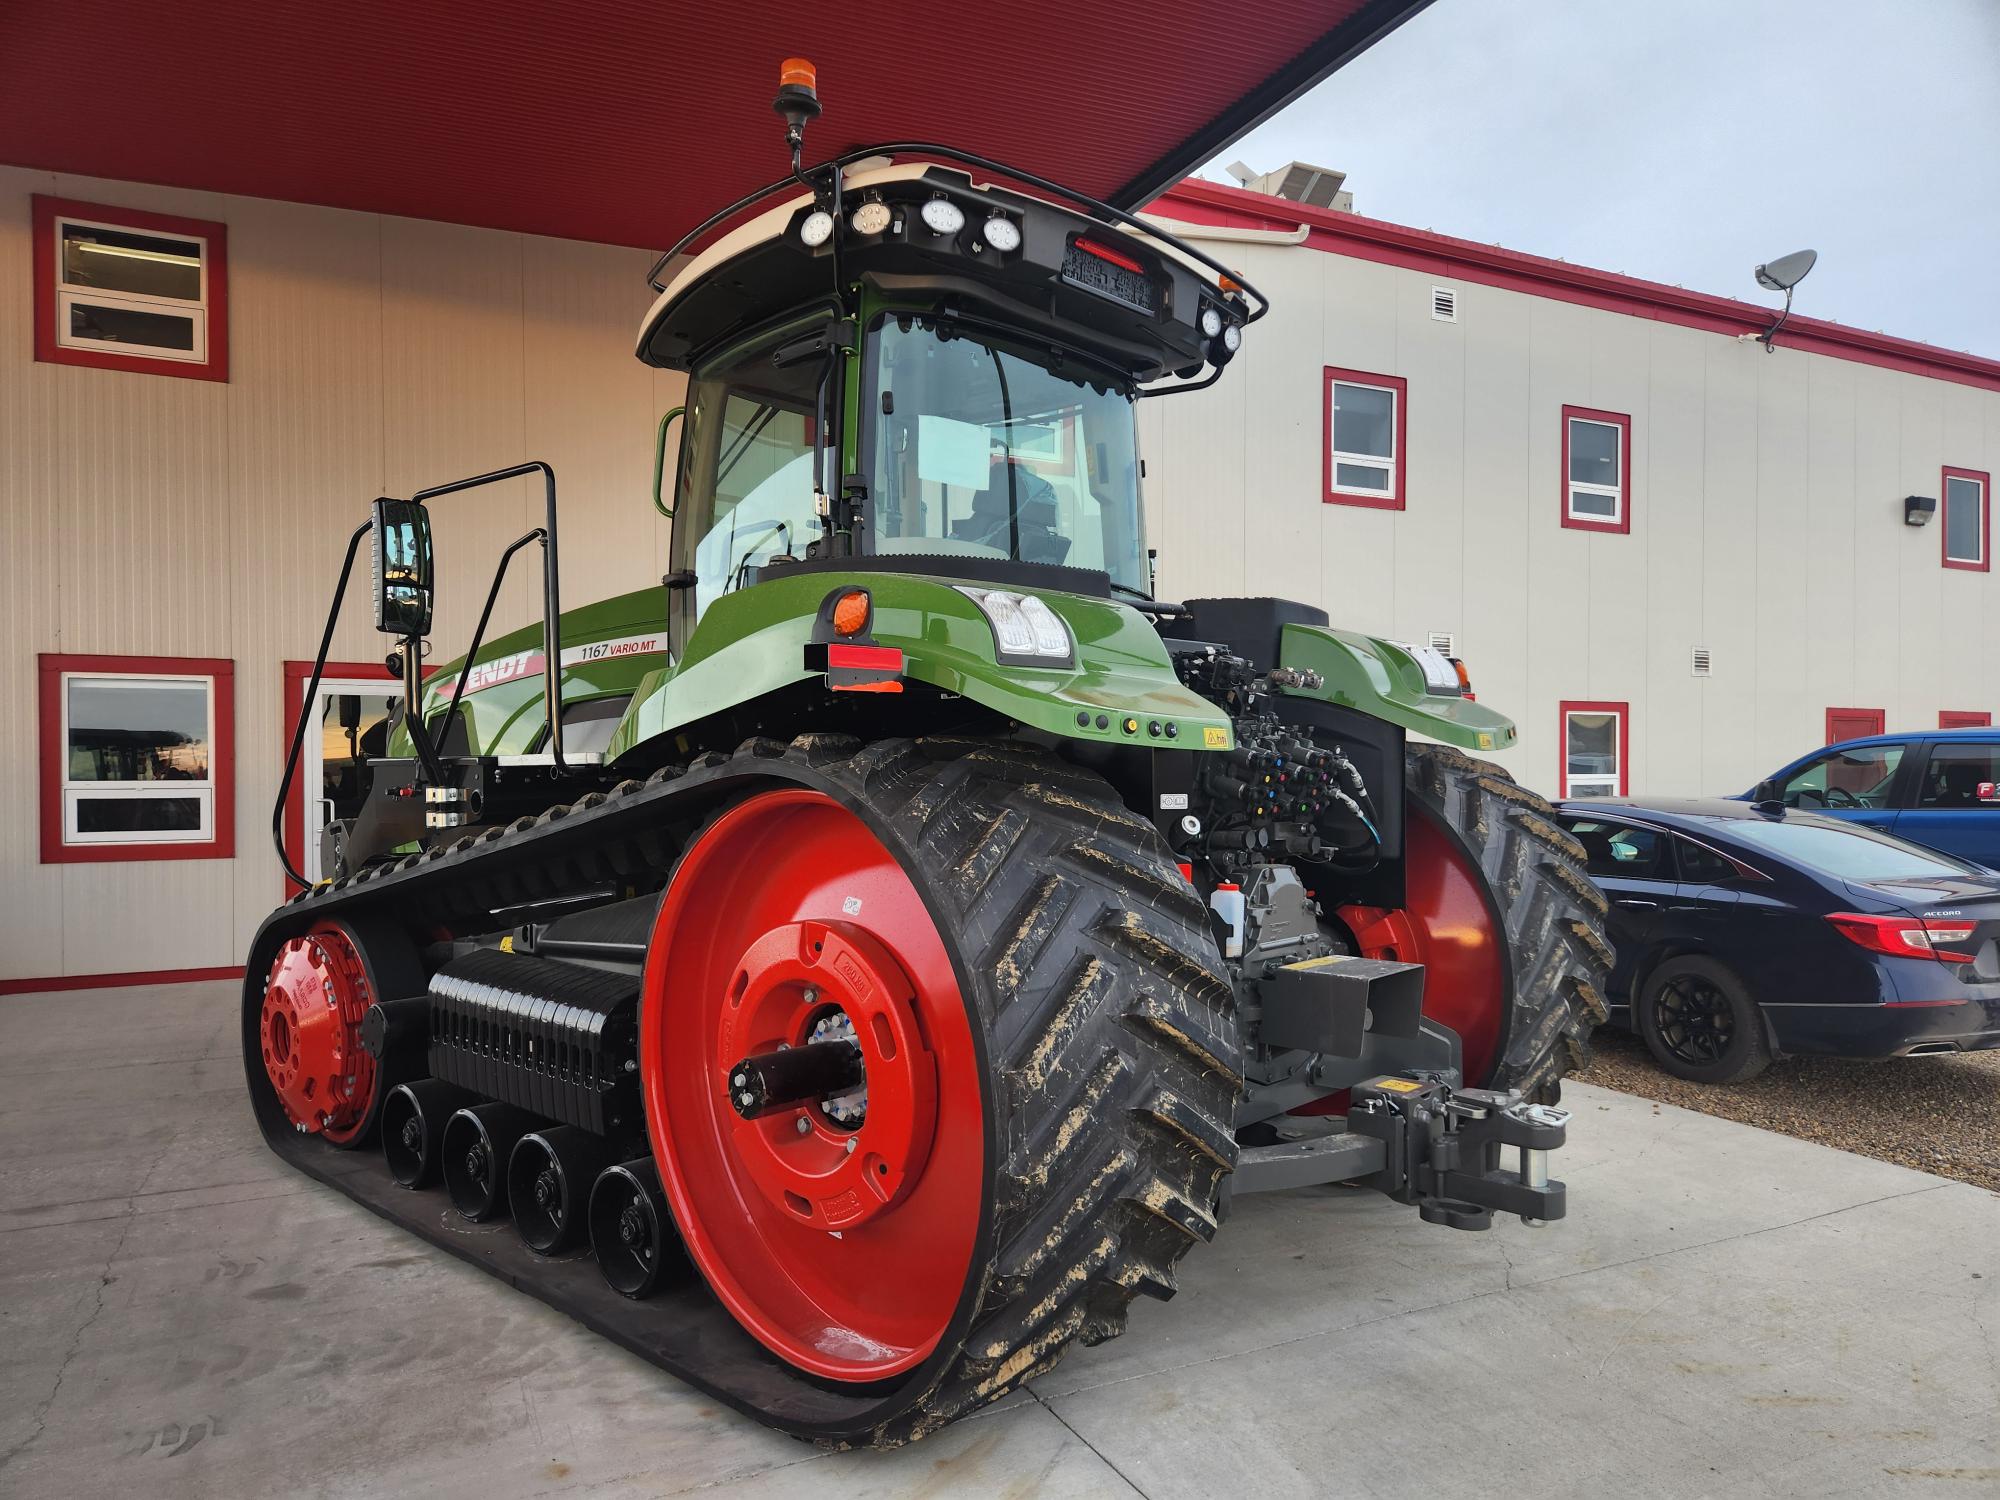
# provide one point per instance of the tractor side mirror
(404, 579)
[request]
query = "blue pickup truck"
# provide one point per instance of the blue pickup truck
(1939, 787)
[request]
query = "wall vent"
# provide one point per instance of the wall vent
(1444, 304)
(1442, 642)
(1703, 666)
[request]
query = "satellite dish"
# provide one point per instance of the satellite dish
(1787, 271)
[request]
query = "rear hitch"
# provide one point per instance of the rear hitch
(1443, 1145)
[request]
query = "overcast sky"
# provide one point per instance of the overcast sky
(1685, 141)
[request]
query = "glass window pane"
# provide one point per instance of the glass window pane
(1593, 453)
(1962, 776)
(137, 729)
(1593, 744)
(1361, 477)
(1701, 864)
(1364, 420)
(1848, 778)
(1621, 850)
(1592, 503)
(1964, 540)
(1849, 851)
(118, 260)
(138, 814)
(99, 323)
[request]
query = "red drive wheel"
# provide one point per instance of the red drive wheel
(1448, 925)
(310, 1034)
(838, 1227)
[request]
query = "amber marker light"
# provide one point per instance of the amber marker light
(850, 613)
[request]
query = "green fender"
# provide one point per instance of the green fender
(752, 642)
(1381, 679)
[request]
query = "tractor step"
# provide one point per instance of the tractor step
(1421, 1141)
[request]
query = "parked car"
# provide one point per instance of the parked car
(1745, 931)
(1939, 787)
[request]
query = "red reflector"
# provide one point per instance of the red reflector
(1187, 871)
(873, 658)
(1903, 937)
(1105, 253)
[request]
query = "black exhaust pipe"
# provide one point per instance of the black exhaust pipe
(413, 1118)
(638, 1248)
(477, 1142)
(549, 1178)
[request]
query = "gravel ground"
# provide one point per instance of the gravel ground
(1937, 1114)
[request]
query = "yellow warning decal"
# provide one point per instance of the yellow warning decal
(1485, 740)
(1307, 965)
(1214, 738)
(1397, 1085)
(507, 943)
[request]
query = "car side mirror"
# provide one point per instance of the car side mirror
(404, 574)
(1765, 791)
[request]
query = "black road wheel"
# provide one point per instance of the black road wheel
(1700, 1024)
(1080, 963)
(1525, 1019)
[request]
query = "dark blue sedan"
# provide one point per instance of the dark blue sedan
(1746, 931)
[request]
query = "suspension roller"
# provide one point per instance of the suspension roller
(632, 1231)
(549, 1178)
(413, 1120)
(477, 1142)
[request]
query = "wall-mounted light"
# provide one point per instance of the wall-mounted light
(1918, 509)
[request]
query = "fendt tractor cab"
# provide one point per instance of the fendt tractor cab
(889, 942)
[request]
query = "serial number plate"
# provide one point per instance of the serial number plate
(1081, 268)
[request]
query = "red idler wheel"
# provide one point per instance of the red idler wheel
(1447, 924)
(839, 1231)
(310, 1033)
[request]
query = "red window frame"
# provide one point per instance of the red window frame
(47, 348)
(290, 701)
(1876, 716)
(1594, 706)
(1964, 718)
(1985, 483)
(1623, 422)
(1398, 496)
(50, 667)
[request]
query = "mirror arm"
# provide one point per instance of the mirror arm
(305, 709)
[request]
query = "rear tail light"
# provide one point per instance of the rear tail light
(1114, 257)
(1464, 677)
(1905, 937)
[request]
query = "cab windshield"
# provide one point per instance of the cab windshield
(984, 450)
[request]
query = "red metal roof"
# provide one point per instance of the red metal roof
(1196, 202)
(629, 122)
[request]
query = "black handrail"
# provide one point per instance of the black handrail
(479, 630)
(306, 708)
(551, 595)
(947, 154)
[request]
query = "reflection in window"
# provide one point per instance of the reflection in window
(137, 758)
(1844, 778)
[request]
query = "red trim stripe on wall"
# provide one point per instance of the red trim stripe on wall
(56, 982)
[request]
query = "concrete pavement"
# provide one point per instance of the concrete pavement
(1725, 1312)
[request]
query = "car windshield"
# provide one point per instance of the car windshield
(1001, 452)
(1847, 853)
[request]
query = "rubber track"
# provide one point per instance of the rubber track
(1088, 960)
(1552, 911)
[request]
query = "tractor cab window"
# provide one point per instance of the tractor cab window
(1011, 452)
(746, 485)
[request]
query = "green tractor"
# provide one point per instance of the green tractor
(861, 965)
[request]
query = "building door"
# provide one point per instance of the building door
(1852, 723)
(347, 724)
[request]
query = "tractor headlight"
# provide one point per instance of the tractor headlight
(942, 216)
(870, 218)
(1211, 322)
(1232, 338)
(1022, 624)
(1003, 234)
(816, 229)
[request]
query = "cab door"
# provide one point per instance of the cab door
(1954, 805)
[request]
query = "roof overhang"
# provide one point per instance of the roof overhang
(628, 123)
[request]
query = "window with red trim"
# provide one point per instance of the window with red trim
(138, 758)
(1966, 535)
(1596, 469)
(121, 289)
(1596, 742)
(1964, 718)
(1367, 439)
